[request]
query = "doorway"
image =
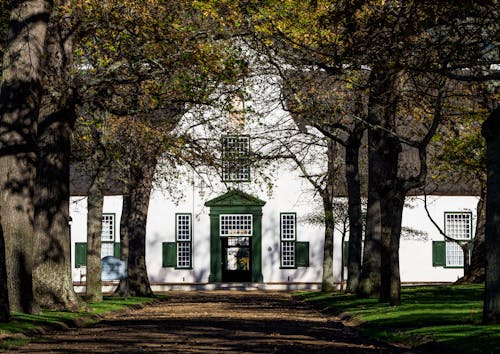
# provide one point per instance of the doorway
(236, 259)
(235, 238)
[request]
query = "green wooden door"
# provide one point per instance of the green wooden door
(235, 203)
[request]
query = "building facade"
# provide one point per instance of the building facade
(244, 235)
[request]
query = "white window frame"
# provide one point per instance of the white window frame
(288, 239)
(233, 219)
(183, 240)
(108, 234)
(235, 158)
(457, 231)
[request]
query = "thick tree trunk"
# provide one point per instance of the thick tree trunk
(396, 212)
(122, 289)
(52, 281)
(327, 278)
(4, 294)
(354, 212)
(140, 191)
(327, 283)
(382, 174)
(391, 215)
(95, 201)
(491, 132)
(19, 104)
(370, 274)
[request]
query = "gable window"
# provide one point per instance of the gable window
(457, 225)
(235, 158)
(108, 235)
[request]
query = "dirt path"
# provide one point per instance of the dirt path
(213, 322)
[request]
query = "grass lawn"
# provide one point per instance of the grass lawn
(449, 316)
(23, 323)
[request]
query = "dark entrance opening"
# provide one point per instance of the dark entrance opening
(236, 256)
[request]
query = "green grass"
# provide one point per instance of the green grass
(429, 316)
(24, 323)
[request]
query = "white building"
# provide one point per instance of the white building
(217, 238)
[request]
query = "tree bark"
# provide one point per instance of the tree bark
(140, 191)
(397, 206)
(20, 96)
(379, 115)
(491, 132)
(391, 215)
(354, 211)
(327, 197)
(122, 289)
(95, 201)
(52, 280)
(327, 278)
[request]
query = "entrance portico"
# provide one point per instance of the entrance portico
(235, 238)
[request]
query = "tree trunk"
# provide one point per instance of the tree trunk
(476, 271)
(327, 197)
(370, 274)
(52, 280)
(354, 212)
(491, 132)
(4, 293)
(382, 165)
(19, 104)
(122, 289)
(396, 211)
(140, 191)
(327, 279)
(95, 201)
(391, 215)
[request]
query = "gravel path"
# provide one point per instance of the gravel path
(213, 322)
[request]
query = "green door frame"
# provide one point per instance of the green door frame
(235, 202)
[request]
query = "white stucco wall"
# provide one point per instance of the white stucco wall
(290, 194)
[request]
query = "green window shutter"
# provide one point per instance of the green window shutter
(169, 254)
(438, 253)
(346, 253)
(116, 250)
(80, 254)
(302, 254)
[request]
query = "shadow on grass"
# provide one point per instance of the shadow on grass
(429, 317)
(32, 324)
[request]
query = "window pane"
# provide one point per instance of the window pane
(107, 249)
(454, 255)
(235, 158)
(458, 225)
(183, 228)
(288, 254)
(108, 227)
(288, 226)
(237, 224)
(183, 254)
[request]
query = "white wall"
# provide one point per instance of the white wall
(416, 256)
(290, 194)
(78, 213)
